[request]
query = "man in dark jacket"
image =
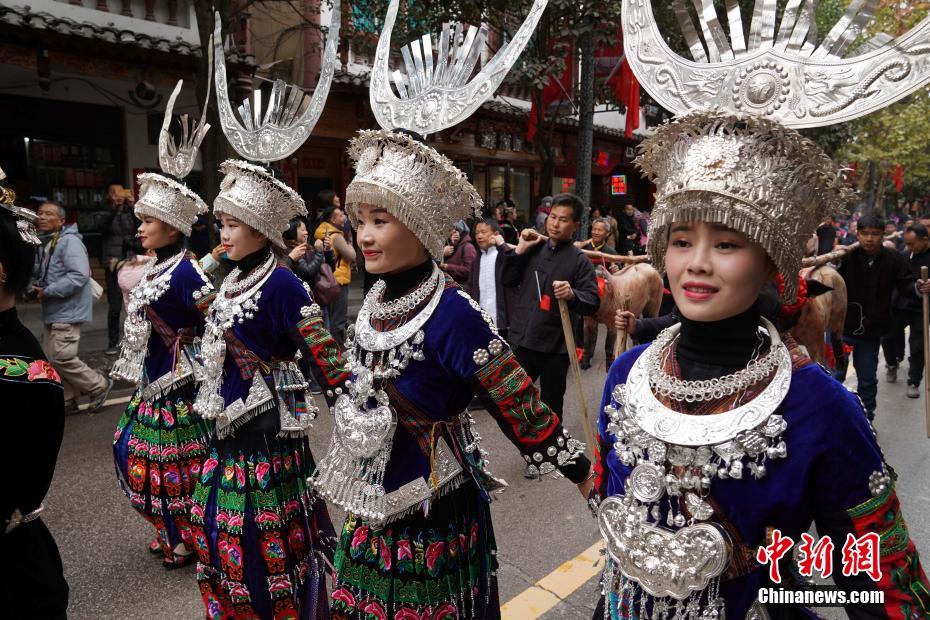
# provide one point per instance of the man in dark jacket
(546, 271)
(907, 311)
(871, 272)
(118, 229)
(485, 283)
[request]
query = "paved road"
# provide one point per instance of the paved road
(539, 524)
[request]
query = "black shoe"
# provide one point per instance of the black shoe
(585, 363)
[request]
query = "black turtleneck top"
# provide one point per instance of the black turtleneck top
(404, 281)
(167, 251)
(706, 350)
(253, 260)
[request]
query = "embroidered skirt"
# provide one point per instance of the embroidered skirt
(259, 535)
(439, 566)
(158, 448)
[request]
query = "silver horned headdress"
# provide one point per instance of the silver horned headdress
(733, 155)
(787, 76)
(249, 192)
(411, 180)
(25, 218)
(167, 198)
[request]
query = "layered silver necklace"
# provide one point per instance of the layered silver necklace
(674, 569)
(351, 474)
(237, 301)
(155, 282)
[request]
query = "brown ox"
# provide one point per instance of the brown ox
(641, 285)
(824, 311)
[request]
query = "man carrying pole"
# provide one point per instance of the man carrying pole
(548, 270)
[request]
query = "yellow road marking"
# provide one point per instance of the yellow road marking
(555, 587)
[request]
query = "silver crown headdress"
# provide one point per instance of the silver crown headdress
(733, 156)
(249, 192)
(25, 218)
(166, 198)
(415, 183)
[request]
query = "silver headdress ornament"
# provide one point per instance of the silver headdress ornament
(414, 182)
(249, 192)
(166, 198)
(733, 155)
(25, 218)
(788, 77)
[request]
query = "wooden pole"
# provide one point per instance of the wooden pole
(622, 343)
(576, 376)
(829, 257)
(530, 233)
(926, 327)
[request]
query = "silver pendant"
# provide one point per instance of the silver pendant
(699, 509)
(662, 562)
(647, 482)
(363, 432)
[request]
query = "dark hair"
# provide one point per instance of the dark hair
(325, 197)
(570, 200)
(871, 220)
(328, 212)
(291, 233)
(16, 255)
(490, 221)
(920, 230)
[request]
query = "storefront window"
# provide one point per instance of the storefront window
(520, 193)
(497, 179)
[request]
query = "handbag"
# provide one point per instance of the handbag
(326, 290)
(95, 289)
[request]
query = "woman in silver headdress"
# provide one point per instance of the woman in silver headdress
(404, 460)
(160, 441)
(32, 584)
(260, 535)
(722, 442)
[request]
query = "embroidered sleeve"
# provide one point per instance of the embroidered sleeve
(508, 393)
(28, 370)
(902, 578)
(319, 347)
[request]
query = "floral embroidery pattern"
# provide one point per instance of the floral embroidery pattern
(405, 573)
(35, 370)
(164, 444)
(266, 487)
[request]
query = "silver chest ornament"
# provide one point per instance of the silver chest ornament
(156, 279)
(237, 301)
(672, 570)
(351, 474)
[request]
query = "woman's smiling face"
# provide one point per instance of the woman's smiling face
(714, 272)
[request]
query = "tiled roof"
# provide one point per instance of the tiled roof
(40, 20)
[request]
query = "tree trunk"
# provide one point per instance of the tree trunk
(585, 125)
